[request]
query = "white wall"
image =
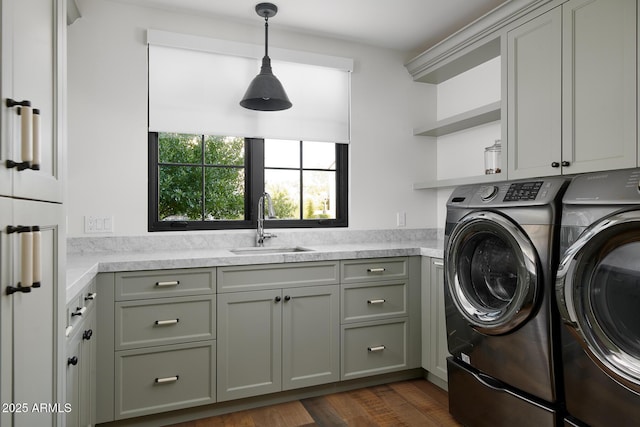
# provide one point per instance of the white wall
(461, 154)
(107, 73)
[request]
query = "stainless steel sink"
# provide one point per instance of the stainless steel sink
(269, 250)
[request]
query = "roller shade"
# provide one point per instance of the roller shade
(196, 84)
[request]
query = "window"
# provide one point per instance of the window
(199, 182)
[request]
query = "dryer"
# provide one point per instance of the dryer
(501, 253)
(598, 294)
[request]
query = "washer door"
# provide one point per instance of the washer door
(598, 294)
(491, 272)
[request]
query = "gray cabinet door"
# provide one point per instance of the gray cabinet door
(310, 336)
(599, 85)
(73, 381)
(438, 340)
(249, 344)
(534, 103)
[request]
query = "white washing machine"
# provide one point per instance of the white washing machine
(598, 294)
(501, 253)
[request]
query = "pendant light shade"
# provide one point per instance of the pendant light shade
(265, 92)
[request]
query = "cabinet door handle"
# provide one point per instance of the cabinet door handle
(91, 296)
(376, 270)
(565, 163)
(169, 283)
(438, 263)
(555, 165)
(86, 335)
(72, 361)
(68, 331)
(167, 380)
(287, 297)
(277, 299)
(376, 348)
(376, 301)
(166, 322)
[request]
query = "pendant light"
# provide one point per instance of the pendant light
(265, 93)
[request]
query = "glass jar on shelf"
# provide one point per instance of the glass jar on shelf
(493, 158)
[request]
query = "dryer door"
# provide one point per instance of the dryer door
(598, 293)
(491, 272)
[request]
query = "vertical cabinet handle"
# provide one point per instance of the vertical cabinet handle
(30, 259)
(30, 152)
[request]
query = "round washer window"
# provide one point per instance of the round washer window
(491, 272)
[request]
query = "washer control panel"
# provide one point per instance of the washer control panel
(518, 191)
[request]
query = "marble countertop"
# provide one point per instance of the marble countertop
(83, 267)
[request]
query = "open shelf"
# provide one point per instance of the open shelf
(476, 117)
(454, 182)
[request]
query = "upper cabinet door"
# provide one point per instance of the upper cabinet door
(599, 85)
(33, 56)
(534, 114)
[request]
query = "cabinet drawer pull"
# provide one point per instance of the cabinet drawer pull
(166, 322)
(167, 380)
(170, 283)
(376, 301)
(68, 331)
(91, 296)
(438, 263)
(79, 311)
(565, 163)
(376, 348)
(376, 270)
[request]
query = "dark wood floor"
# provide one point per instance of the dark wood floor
(406, 403)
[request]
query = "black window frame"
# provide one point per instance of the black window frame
(254, 187)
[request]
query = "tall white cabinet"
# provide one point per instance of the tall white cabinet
(32, 247)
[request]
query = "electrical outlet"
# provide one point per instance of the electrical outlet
(401, 219)
(98, 224)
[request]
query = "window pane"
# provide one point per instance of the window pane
(180, 193)
(224, 194)
(281, 154)
(179, 148)
(224, 150)
(318, 155)
(319, 195)
(284, 188)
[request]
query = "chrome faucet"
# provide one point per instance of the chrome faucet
(261, 235)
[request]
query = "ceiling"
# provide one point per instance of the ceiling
(405, 25)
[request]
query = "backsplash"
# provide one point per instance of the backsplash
(244, 238)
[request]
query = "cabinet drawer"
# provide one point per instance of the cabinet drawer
(270, 276)
(144, 323)
(367, 270)
(374, 348)
(164, 378)
(165, 283)
(373, 301)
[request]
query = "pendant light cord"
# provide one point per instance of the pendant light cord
(266, 36)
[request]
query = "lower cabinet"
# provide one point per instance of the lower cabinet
(380, 306)
(434, 333)
(278, 339)
(177, 339)
(81, 350)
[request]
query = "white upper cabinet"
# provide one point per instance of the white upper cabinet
(572, 90)
(32, 66)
